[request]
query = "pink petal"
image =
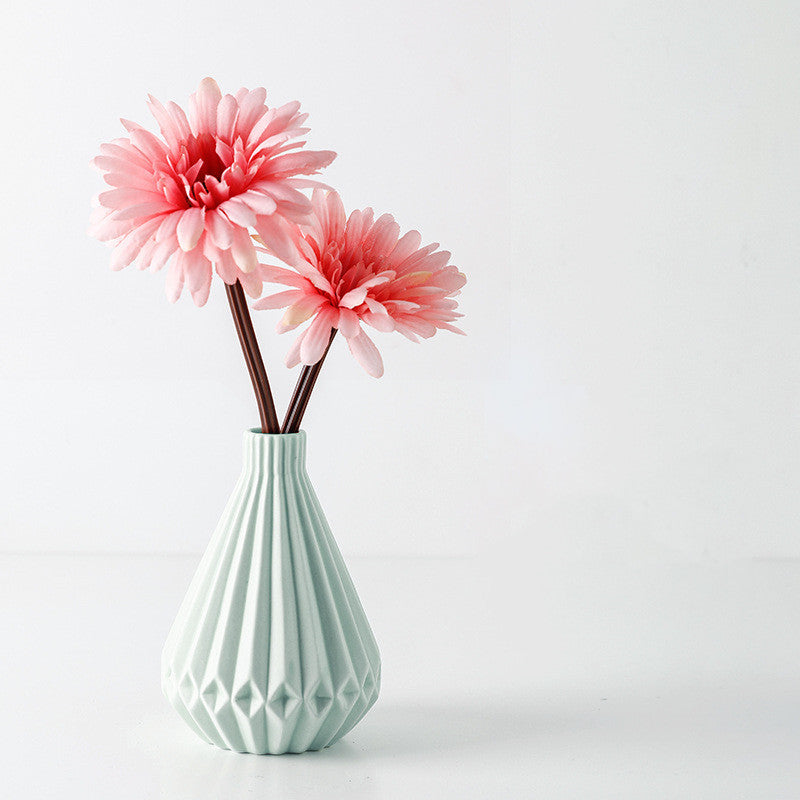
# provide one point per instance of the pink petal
(381, 322)
(317, 336)
(337, 218)
(174, 283)
(149, 144)
(313, 275)
(353, 298)
(162, 253)
(219, 229)
(144, 210)
(365, 352)
(200, 296)
(252, 283)
(279, 300)
(258, 202)
(127, 196)
(109, 229)
(243, 250)
(300, 311)
(348, 323)
(277, 236)
(179, 121)
(251, 109)
(169, 224)
(385, 231)
(125, 252)
(226, 268)
(279, 191)
(203, 106)
(190, 227)
(293, 356)
(198, 277)
(405, 331)
(238, 212)
(168, 128)
(272, 274)
(419, 326)
(227, 111)
(302, 163)
(307, 183)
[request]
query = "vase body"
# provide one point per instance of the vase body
(271, 651)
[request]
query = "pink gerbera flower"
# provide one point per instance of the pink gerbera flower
(190, 197)
(358, 269)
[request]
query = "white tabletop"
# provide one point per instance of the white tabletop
(500, 680)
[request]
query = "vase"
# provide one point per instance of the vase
(271, 651)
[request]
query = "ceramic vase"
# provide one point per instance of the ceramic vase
(271, 651)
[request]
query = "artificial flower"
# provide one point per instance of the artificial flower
(349, 271)
(190, 197)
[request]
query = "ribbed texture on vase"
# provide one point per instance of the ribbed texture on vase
(271, 651)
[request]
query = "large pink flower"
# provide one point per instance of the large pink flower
(349, 271)
(191, 197)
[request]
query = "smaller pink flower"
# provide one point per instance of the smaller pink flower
(358, 269)
(189, 198)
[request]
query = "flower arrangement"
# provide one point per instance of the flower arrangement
(221, 190)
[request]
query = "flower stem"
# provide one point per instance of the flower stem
(252, 357)
(302, 392)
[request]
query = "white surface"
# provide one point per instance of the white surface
(501, 680)
(620, 183)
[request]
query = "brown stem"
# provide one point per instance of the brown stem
(252, 357)
(302, 392)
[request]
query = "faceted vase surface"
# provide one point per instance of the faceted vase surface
(271, 651)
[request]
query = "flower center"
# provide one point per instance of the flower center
(204, 149)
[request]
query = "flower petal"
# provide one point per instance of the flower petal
(365, 352)
(258, 202)
(220, 229)
(227, 111)
(305, 162)
(174, 282)
(348, 323)
(381, 322)
(203, 106)
(190, 228)
(353, 298)
(317, 337)
(293, 356)
(300, 311)
(238, 212)
(279, 300)
(277, 235)
(243, 250)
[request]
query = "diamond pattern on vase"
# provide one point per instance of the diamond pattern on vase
(249, 699)
(215, 696)
(272, 622)
(283, 702)
(319, 699)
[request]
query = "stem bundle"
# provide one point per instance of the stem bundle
(252, 357)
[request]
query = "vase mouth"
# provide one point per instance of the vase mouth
(258, 432)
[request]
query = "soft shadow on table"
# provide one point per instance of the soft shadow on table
(431, 727)
(191, 770)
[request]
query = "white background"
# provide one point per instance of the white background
(620, 181)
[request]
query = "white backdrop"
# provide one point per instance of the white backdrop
(619, 181)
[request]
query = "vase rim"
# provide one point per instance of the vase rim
(258, 432)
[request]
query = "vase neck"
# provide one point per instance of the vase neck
(276, 453)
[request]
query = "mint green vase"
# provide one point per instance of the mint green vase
(271, 651)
